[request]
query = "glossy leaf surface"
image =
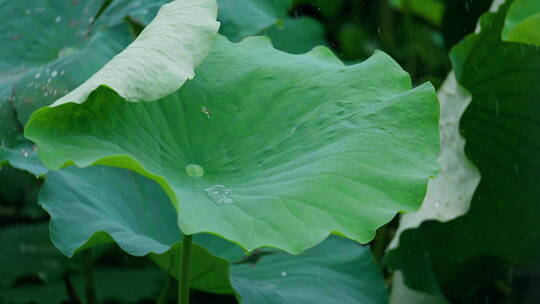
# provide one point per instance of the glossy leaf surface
(252, 124)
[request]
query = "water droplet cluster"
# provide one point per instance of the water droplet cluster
(220, 194)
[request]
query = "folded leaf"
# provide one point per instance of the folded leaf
(162, 57)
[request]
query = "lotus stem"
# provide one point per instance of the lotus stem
(164, 294)
(183, 276)
(90, 284)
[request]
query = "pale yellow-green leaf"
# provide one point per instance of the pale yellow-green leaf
(162, 58)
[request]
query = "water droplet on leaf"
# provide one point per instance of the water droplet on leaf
(220, 194)
(194, 170)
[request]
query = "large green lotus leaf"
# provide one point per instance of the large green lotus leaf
(499, 235)
(523, 22)
(113, 199)
(136, 213)
(162, 57)
(265, 148)
(119, 206)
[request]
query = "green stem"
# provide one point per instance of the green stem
(90, 284)
(71, 292)
(164, 294)
(183, 276)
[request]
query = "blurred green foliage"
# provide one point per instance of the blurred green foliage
(417, 33)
